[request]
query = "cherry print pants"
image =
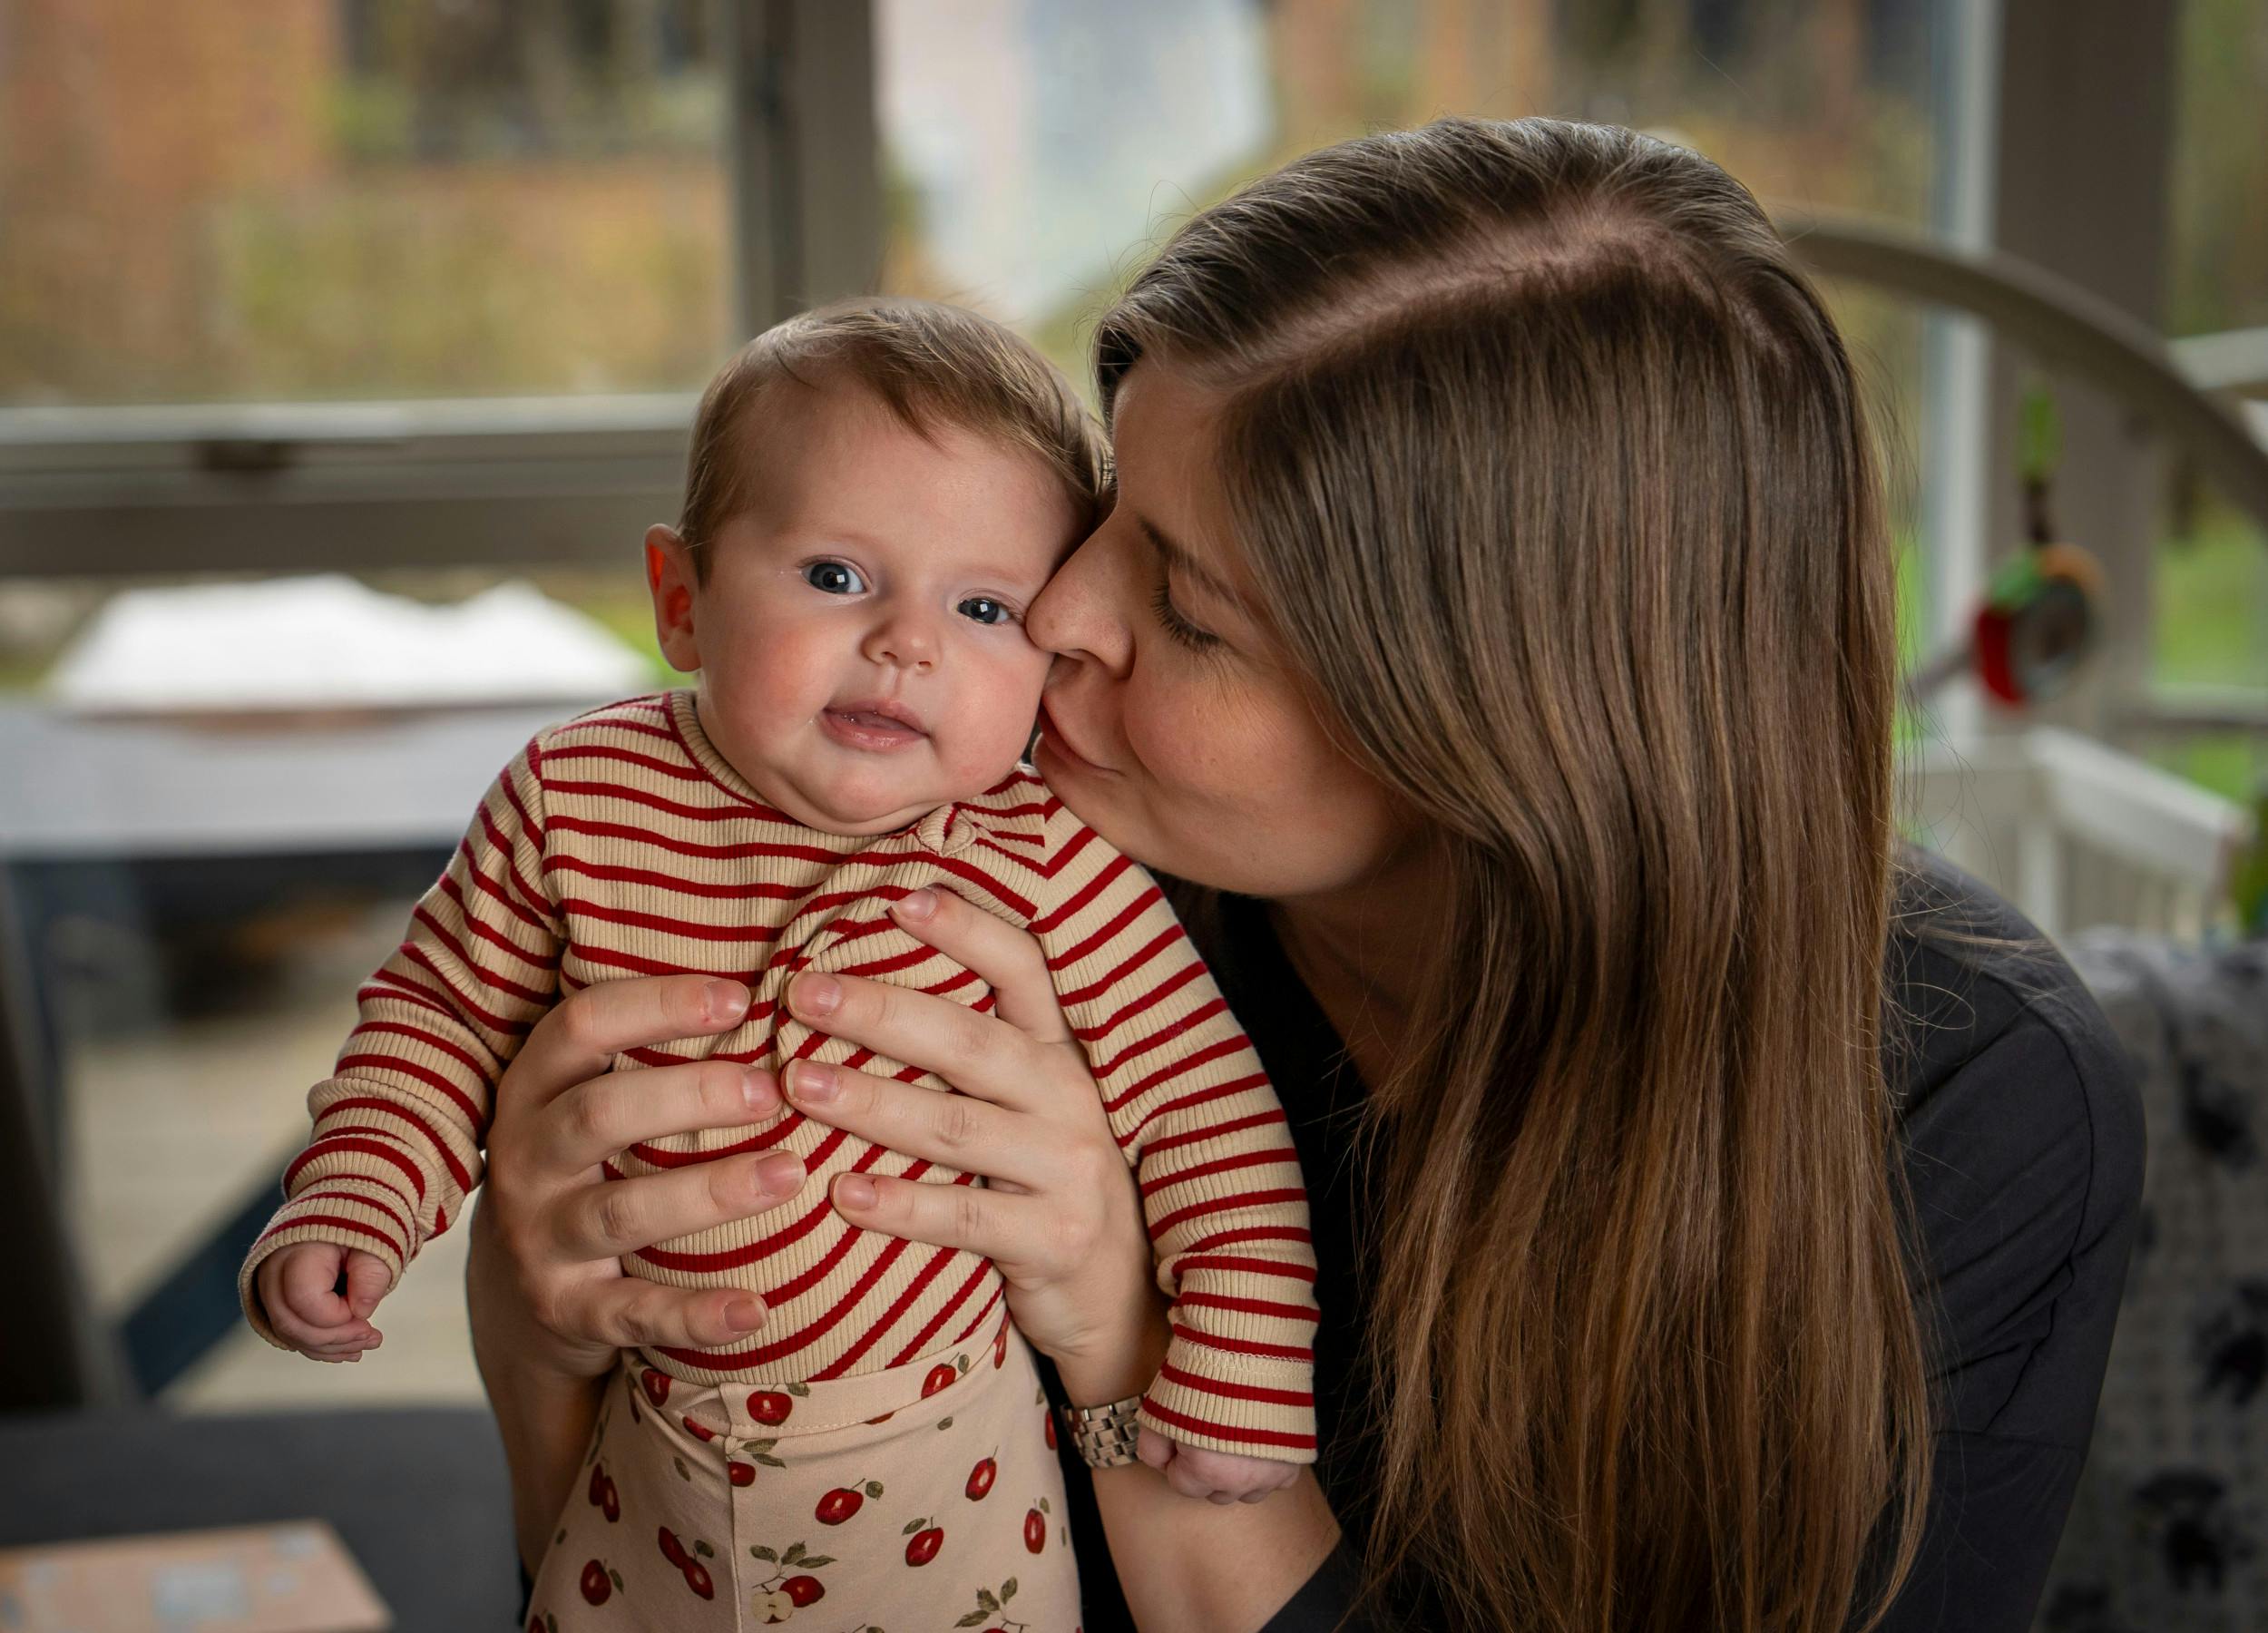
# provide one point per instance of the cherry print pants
(926, 1497)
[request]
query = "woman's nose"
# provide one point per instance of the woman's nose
(903, 639)
(1082, 613)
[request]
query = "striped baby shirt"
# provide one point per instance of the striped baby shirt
(621, 843)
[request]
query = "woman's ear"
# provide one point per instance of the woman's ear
(669, 577)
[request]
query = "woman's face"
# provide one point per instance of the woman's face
(1171, 721)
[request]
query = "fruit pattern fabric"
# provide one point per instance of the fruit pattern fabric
(923, 1497)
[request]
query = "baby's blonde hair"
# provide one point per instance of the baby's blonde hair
(932, 364)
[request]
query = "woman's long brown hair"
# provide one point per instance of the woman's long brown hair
(1553, 474)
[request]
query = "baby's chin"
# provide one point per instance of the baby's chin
(863, 807)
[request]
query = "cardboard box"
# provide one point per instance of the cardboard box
(267, 1578)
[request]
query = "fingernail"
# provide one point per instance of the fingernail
(854, 1191)
(757, 1089)
(814, 995)
(779, 1173)
(744, 1314)
(809, 1080)
(724, 1001)
(916, 904)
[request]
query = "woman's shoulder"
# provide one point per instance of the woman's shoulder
(2023, 1138)
(1972, 981)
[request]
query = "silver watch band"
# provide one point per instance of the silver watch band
(1103, 1436)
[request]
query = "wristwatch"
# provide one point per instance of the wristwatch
(1103, 1436)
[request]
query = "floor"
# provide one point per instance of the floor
(168, 1127)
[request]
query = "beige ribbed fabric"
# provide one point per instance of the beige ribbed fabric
(621, 843)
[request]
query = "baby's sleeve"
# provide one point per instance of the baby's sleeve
(399, 1123)
(1220, 1185)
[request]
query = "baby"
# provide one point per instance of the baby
(876, 492)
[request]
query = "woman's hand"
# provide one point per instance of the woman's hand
(550, 1303)
(1059, 1216)
(551, 1230)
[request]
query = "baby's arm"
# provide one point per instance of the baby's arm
(1219, 1178)
(398, 1126)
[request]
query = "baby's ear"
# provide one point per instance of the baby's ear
(672, 580)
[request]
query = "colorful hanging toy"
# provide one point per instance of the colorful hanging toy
(2040, 617)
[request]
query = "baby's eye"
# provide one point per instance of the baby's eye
(834, 578)
(985, 610)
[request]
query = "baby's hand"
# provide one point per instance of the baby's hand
(1217, 1476)
(298, 1285)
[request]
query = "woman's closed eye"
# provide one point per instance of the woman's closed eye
(834, 578)
(1171, 618)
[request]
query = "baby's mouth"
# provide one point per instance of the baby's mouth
(873, 723)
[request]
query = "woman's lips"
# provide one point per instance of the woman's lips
(874, 727)
(1054, 742)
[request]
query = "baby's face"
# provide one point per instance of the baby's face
(860, 634)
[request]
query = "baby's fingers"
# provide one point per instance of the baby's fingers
(368, 1281)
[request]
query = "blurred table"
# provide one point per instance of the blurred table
(420, 1497)
(126, 824)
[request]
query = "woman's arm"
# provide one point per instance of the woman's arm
(549, 1302)
(1061, 1218)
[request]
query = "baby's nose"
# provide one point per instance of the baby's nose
(906, 640)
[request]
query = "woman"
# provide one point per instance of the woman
(1494, 632)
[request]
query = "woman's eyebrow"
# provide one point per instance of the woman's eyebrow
(1183, 562)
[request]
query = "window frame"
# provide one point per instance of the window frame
(279, 487)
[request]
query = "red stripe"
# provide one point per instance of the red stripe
(338, 1222)
(690, 929)
(432, 1135)
(1245, 1267)
(488, 932)
(503, 897)
(1156, 944)
(400, 1224)
(1086, 893)
(329, 1144)
(1197, 1211)
(1229, 1431)
(1222, 1165)
(1172, 1373)
(1151, 999)
(928, 1273)
(614, 724)
(509, 854)
(1199, 1098)
(1258, 1119)
(417, 955)
(734, 1258)
(385, 984)
(1211, 1052)
(687, 770)
(485, 1073)
(1168, 1034)
(1250, 1233)
(653, 879)
(411, 1069)
(528, 825)
(983, 1316)
(1249, 1306)
(1244, 1347)
(491, 979)
(764, 1355)
(917, 1346)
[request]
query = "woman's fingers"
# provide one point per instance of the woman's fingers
(627, 1312)
(607, 1220)
(1009, 959)
(612, 1112)
(579, 1037)
(975, 1052)
(966, 1216)
(955, 1129)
